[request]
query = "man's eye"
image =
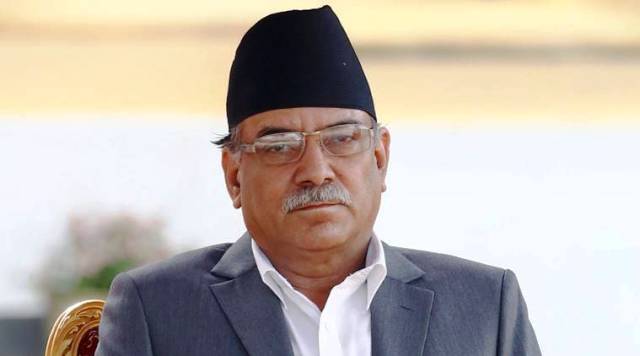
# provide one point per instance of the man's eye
(342, 139)
(278, 148)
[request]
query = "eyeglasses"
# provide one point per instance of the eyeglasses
(287, 147)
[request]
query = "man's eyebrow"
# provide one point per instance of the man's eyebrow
(345, 122)
(268, 130)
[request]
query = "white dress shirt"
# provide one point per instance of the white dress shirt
(343, 327)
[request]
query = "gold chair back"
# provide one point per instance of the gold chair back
(75, 332)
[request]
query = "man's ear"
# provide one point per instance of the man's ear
(381, 153)
(231, 168)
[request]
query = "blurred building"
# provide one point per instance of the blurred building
(564, 60)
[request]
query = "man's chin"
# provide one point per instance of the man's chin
(322, 236)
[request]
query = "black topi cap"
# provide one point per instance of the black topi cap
(298, 58)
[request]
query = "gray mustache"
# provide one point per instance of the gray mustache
(331, 192)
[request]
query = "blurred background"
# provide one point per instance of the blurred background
(515, 139)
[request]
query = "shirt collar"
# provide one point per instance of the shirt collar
(268, 273)
(375, 270)
(378, 264)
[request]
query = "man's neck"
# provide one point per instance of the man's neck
(315, 274)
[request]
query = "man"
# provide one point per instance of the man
(306, 162)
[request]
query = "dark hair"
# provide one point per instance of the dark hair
(227, 140)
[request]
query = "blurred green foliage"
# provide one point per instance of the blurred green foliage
(96, 248)
(102, 279)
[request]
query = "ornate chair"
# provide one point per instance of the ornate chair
(75, 332)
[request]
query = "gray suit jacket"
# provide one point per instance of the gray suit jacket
(212, 301)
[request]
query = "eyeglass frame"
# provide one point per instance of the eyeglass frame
(373, 133)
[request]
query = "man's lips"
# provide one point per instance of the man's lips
(317, 205)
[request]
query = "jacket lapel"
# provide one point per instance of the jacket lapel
(251, 307)
(400, 311)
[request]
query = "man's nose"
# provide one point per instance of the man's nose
(314, 167)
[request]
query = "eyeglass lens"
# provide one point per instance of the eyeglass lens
(288, 147)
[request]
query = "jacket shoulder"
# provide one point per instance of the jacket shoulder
(183, 266)
(443, 268)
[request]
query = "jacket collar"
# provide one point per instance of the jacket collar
(400, 310)
(237, 260)
(400, 267)
(252, 309)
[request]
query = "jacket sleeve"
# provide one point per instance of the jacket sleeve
(123, 328)
(515, 335)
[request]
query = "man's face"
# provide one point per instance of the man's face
(260, 188)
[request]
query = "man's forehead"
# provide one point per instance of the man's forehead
(306, 118)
